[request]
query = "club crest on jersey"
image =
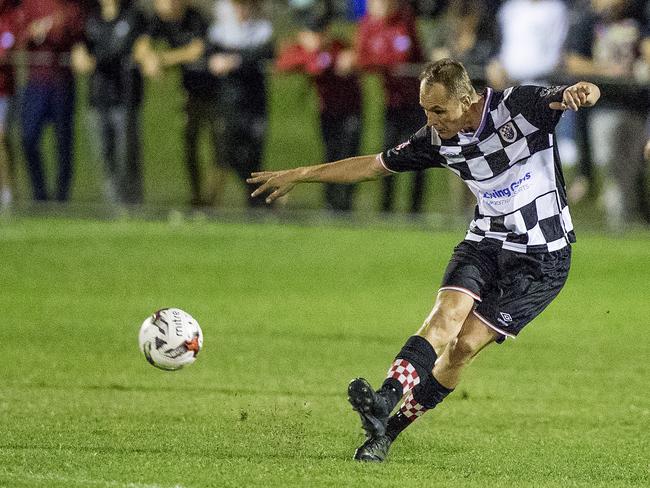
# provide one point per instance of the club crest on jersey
(508, 132)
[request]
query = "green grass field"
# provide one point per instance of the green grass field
(290, 314)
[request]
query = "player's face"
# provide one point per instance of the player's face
(445, 113)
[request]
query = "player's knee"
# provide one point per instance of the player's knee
(443, 325)
(445, 318)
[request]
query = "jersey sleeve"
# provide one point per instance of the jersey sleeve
(533, 103)
(417, 153)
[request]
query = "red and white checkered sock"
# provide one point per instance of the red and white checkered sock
(424, 397)
(411, 409)
(403, 371)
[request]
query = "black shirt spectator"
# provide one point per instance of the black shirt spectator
(241, 44)
(116, 79)
(248, 43)
(192, 25)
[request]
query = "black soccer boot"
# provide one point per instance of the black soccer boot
(374, 449)
(373, 408)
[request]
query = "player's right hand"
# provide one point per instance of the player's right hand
(278, 183)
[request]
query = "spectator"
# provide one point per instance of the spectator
(532, 34)
(241, 45)
(8, 31)
(316, 53)
(584, 182)
(115, 93)
(387, 43)
(51, 28)
(606, 43)
(465, 32)
(184, 29)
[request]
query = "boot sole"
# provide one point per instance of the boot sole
(361, 397)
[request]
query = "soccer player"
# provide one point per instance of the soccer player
(516, 255)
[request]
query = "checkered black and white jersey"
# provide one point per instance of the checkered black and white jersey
(511, 165)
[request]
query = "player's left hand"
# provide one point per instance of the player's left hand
(278, 183)
(574, 97)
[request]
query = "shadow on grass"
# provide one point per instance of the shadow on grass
(189, 388)
(272, 452)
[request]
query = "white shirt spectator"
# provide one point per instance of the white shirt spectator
(229, 32)
(532, 38)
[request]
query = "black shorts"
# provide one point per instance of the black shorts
(510, 288)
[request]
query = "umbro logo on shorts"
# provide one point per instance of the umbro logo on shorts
(505, 318)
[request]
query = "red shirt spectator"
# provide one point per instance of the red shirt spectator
(386, 42)
(8, 31)
(49, 29)
(337, 94)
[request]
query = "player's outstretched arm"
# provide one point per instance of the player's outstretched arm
(350, 170)
(582, 94)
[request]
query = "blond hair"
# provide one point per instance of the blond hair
(452, 75)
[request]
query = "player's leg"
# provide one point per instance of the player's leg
(471, 270)
(505, 309)
(472, 339)
(413, 364)
(446, 318)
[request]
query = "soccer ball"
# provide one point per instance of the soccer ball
(170, 339)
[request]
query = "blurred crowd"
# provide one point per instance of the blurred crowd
(227, 49)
